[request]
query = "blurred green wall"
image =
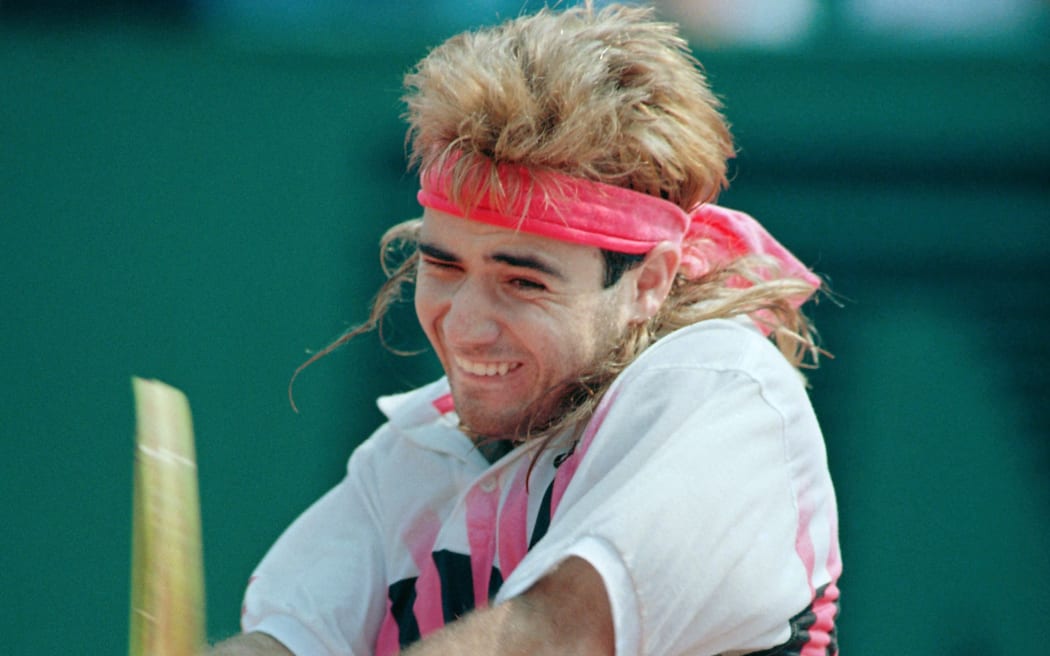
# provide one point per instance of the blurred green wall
(180, 207)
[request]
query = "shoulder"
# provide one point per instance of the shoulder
(713, 350)
(718, 376)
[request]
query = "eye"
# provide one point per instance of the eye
(440, 264)
(528, 284)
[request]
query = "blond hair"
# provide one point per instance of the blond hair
(612, 96)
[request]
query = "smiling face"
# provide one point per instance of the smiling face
(513, 316)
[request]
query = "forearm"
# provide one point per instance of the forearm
(500, 630)
(249, 644)
(566, 614)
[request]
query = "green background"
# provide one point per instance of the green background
(205, 209)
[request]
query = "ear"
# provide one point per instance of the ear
(652, 281)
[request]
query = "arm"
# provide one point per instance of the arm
(567, 612)
(249, 644)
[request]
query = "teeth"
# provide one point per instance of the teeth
(483, 369)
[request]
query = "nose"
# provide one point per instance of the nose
(472, 319)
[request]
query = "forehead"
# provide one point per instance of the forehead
(466, 239)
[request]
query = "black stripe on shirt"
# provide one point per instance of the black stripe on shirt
(801, 625)
(543, 517)
(402, 598)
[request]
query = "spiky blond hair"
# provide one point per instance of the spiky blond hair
(612, 96)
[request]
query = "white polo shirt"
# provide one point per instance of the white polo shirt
(699, 491)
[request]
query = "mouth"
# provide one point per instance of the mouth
(486, 369)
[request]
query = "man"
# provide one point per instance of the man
(620, 459)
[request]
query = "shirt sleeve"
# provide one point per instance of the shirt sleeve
(319, 590)
(687, 502)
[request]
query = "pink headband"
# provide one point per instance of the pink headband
(616, 219)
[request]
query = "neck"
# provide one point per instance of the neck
(493, 450)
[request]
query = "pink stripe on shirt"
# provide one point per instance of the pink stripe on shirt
(514, 524)
(388, 642)
(824, 607)
(420, 540)
(444, 404)
(568, 468)
(482, 506)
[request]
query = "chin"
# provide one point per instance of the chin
(494, 419)
(503, 426)
(488, 429)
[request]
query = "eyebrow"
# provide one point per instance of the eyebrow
(527, 262)
(510, 259)
(437, 253)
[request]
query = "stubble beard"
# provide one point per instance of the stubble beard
(544, 415)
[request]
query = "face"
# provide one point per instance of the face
(512, 316)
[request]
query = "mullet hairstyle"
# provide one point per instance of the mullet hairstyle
(613, 96)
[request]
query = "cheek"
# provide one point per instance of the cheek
(574, 339)
(426, 307)
(605, 325)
